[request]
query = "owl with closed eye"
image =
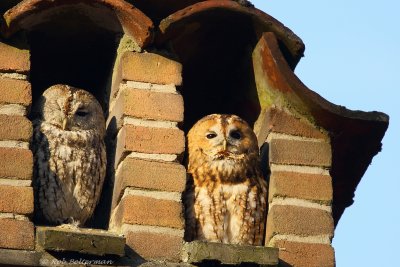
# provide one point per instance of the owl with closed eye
(226, 195)
(69, 155)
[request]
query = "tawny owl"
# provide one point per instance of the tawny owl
(226, 195)
(69, 155)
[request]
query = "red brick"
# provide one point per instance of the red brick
(300, 152)
(149, 140)
(16, 163)
(278, 121)
(285, 219)
(155, 246)
(149, 211)
(17, 234)
(305, 255)
(148, 174)
(13, 59)
(15, 91)
(150, 68)
(17, 128)
(16, 199)
(146, 104)
(315, 187)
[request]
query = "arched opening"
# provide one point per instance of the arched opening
(77, 45)
(215, 41)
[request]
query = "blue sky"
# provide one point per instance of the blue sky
(351, 59)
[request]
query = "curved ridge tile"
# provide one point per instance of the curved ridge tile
(134, 22)
(173, 25)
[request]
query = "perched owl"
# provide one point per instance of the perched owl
(69, 155)
(226, 195)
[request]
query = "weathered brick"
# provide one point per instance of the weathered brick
(278, 121)
(16, 163)
(149, 140)
(305, 255)
(16, 199)
(285, 219)
(155, 246)
(150, 68)
(147, 104)
(13, 59)
(16, 234)
(143, 210)
(15, 92)
(17, 128)
(148, 174)
(300, 152)
(315, 187)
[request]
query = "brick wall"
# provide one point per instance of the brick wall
(16, 161)
(300, 220)
(144, 115)
(145, 110)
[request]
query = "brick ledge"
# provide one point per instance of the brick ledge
(197, 252)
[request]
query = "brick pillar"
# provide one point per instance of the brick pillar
(16, 160)
(300, 220)
(149, 181)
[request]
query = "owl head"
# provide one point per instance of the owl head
(70, 109)
(220, 138)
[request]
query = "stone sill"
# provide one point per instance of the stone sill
(82, 240)
(217, 253)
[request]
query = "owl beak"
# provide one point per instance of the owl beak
(64, 123)
(224, 144)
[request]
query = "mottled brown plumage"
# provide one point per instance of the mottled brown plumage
(69, 155)
(226, 195)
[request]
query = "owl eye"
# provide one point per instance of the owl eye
(81, 113)
(211, 135)
(235, 135)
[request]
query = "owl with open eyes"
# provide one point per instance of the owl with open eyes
(69, 155)
(226, 194)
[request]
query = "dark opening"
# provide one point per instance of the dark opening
(218, 72)
(72, 49)
(77, 47)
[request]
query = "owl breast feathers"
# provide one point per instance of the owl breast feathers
(69, 155)
(225, 199)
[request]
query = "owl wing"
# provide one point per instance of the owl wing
(252, 231)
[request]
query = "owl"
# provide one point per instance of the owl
(226, 195)
(69, 155)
